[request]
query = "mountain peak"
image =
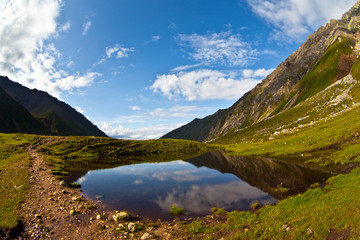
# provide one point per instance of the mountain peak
(327, 56)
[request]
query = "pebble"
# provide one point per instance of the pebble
(73, 212)
(146, 236)
(132, 227)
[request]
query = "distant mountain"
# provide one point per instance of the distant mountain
(327, 58)
(33, 111)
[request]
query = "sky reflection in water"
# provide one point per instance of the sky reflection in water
(150, 189)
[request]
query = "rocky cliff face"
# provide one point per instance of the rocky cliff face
(324, 58)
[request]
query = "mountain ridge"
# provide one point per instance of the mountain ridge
(324, 58)
(53, 117)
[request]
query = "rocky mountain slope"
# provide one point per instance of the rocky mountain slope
(327, 57)
(32, 111)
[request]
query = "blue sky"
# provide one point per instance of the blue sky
(140, 68)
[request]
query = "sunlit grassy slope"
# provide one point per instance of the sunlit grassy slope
(14, 182)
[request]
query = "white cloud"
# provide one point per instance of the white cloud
(156, 38)
(149, 132)
(86, 27)
(114, 131)
(80, 110)
(295, 19)
(135, 108)
(178, 111)
(202, 85)
(262, 73)
(25, 54)
(186, 67)
(116, 51)
(66, 27)
(219, 48)
(201, 198)
(154, 131)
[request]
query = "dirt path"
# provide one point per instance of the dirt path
(54, 211)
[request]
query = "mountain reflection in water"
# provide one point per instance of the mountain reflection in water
(264, 173)
(197, 184)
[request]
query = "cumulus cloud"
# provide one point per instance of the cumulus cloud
(149, 132)
(86, 27)
(295, 19)
(262, 72)
(201, 198)
(80, 110)
(202, 85)
(114, 131)
(26, 56)
(218, 48)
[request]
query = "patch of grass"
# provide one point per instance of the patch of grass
(326, 70)
(14, 177)
(337, 206)
(196, 227)
(176, 210)
(218, 211)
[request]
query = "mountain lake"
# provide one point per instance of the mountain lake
(197, 184)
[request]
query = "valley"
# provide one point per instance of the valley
(281, 163)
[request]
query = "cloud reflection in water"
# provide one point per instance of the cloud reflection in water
(200, 199)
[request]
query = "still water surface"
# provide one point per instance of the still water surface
(196, 184)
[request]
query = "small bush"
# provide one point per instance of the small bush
(218, 211)
(176, 210)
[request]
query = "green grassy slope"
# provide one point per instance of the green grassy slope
(14, 178)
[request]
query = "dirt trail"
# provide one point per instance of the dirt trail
(54, 211)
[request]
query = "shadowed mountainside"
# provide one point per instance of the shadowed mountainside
(32, 111)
